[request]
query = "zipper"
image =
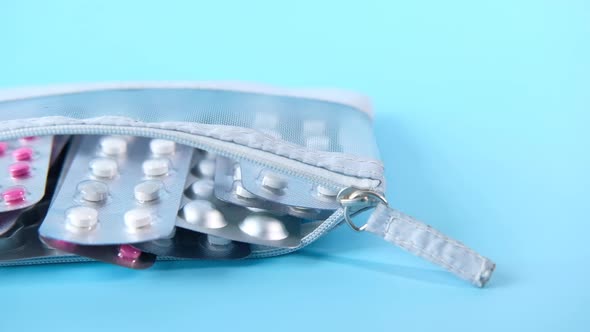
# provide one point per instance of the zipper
(313, 174)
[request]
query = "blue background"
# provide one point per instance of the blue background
(482, 114)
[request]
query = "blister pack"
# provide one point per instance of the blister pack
(190, 244)
(25, 162)
(307, 161)
(118, 190)
(229, 188)
(202, 212)
(21, 240)
(288, 190)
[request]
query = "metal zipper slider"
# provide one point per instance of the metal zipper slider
(414, 236)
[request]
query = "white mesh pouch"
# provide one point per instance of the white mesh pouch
(321, 136)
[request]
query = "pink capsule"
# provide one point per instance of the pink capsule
(3, 147)
(129, 252)
(14, 195)
(29, 138)
(22, 154)
(19, 170)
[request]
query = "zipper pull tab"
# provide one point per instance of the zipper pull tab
(414, 236)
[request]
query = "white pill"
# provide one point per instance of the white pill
(82, 216)
(263, 226)
(137, 218)
(155, 167)
(104, 167)
(93, 191)
(147, 191)
(242, 192)
(218, 241)
(274, 181)
(207, 168)
(113, 145)
(203, 213)
(202, 188)
(162, 147)
(314, 128)
(327, 191)
(320, 143)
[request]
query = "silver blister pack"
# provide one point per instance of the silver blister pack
(286, 190)
(21, 241)
(24, 163)
(190, 244)
(229, 188)
(118, 190)
(202, 212)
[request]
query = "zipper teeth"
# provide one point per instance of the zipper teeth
(109, 130)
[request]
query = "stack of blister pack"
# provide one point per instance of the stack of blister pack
(128, 174)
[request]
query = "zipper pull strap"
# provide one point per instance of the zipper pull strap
(414, 236)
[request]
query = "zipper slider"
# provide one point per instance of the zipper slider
(355, 201)
(414, 236)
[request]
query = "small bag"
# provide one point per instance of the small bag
(311, 152)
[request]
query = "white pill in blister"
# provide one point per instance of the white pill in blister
(242, 192)
(202, 188)
(148, 191)
(217, 240)
(155, 167)
(138, 218)
(321, 143)
(93, 191)
(104, 167)
(314, 127)
(327, 191)
(82, 216)
(274, 181)
(207, 168)
(162, 147)
(113, 145)
(203, 213)
(263, 226)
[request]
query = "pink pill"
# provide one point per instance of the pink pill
(19, 170)
(29, 138)
(21, 154)
(129, 252)
(14, 195)
(3, 147)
